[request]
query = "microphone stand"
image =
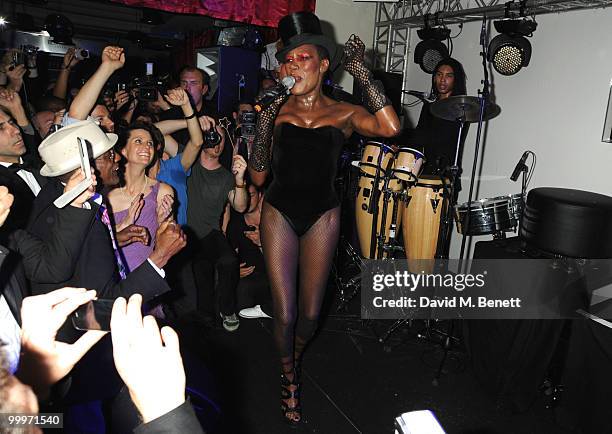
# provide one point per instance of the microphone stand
(484, 98)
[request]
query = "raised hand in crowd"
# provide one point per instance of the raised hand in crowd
(133, 234)
(239, 167)
(11, 101)
(120, 99)
(44, 360)
(206, 123)
(113, 58)
(75, 179)
(238, 197)
(15, 76)
(132, 214)
(164, 208)
(147, 359)
(169, 240)
(6, 200)
(70, 59)
(68, 63)
(177, 97)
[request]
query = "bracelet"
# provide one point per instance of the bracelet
(243, 185)
(191, 116)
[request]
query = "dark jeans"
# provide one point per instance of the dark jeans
(215, 253)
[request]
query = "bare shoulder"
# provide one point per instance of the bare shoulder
(164, 189)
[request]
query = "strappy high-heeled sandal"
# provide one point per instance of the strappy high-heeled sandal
(291, 390)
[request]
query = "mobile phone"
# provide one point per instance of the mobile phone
(68, 197)
(250, 228)
(93, 315)
(84, 157)
(149, 68)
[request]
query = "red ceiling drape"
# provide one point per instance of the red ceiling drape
(257, 12)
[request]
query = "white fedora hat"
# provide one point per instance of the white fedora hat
(60, 150)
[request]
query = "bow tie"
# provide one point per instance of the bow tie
(16, 167)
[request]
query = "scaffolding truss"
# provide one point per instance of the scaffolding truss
(394, 21)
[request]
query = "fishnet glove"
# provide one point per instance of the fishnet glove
(373, 92)
(260, 157)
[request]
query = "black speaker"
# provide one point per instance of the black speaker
(392, 83)
(234, 74)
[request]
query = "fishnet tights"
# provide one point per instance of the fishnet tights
(284, 251)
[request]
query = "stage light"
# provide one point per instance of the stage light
(430, 51)
(3, 22)
(510, 51)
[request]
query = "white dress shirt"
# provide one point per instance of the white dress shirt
(28, 177)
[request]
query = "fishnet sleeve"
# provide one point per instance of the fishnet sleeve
(260, 157)
(373, 92)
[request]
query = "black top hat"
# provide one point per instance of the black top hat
(302, 28)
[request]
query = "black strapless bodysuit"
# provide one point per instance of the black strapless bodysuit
(304, 165)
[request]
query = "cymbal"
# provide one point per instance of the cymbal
(466, 108)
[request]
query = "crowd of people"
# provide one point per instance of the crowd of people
(166, 215)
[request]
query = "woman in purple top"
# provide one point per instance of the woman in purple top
(139, 199)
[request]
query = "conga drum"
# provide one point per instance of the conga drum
(395, 207)
(408, 164)
(376, 155)
(422, 217)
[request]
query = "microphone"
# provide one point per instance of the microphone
(520, 166)
(271, 94)
(425, 96)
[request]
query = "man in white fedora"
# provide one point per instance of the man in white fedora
(95, 378)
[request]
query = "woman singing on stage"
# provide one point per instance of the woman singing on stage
(300, 221)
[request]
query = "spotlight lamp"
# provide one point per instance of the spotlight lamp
(510, 50)
(430, 51)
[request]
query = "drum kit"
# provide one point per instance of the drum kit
(400, 210)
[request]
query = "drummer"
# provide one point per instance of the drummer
(438, 137)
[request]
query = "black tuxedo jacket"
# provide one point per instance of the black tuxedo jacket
(39, 261)
(178, 421)
(96, 267)
(23, 203)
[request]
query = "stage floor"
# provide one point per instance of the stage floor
(352, 383)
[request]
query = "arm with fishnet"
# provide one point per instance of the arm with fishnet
(259, 162)
(373, 92)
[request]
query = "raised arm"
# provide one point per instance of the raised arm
(61, 84)
(381, 119)
(178, 97)
(113, 59)
(170, 126)
(239, 196)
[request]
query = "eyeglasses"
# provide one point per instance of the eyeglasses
(109, 155)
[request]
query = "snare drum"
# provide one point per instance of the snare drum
(364, 219)
(372, 157)
(489, 216)
(408, 164)
(422, 217)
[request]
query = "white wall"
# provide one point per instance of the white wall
(343, 18)
(554, 107)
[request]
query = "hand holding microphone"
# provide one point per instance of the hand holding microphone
(283, 88)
